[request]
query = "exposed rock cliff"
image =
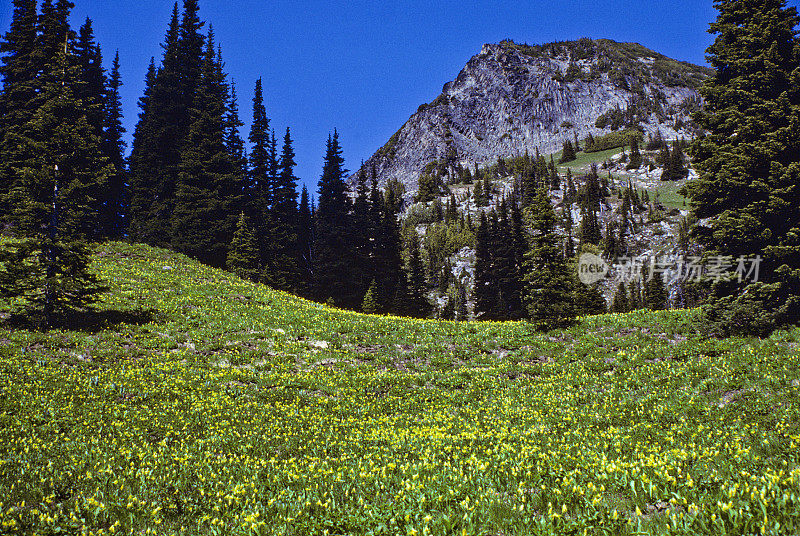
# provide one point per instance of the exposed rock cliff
(513, 98)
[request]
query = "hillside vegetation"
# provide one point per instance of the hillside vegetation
(202, 404)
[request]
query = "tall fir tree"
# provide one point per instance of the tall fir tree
(53, 200)
(209, 192)
(92, 90)
(305, 243)
(115, 197)
(285, 272)
(549, 287)
(485, 290)
(418, 304)
(19, 68)
(234, 142)
(157, 144)
(333, 252)
(749, 163)
(387, 262)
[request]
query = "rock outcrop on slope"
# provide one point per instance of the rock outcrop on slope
(513, 98)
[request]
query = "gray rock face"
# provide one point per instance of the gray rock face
(508, 100)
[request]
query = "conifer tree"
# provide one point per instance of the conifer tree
(92, 88)
(208, 197)
(362, 234)
(285, 269)
(655, 292)
(19, 69)
(234, 142)
(243, 255)
(748, 163)
(62, 170)
(567, 153)
(115, 197)
(507, 271)
(259, 187)
(620, 303)
(485, 292)
(158, 142)
(305, 233)
(387, 262)
(371, 305)
(549, 288)
(419, 306)
(636, 156)
(677, 168)
(333, 251)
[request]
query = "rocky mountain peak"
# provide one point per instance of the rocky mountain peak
(512, 98)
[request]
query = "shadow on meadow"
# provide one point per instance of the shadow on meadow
(89, 321)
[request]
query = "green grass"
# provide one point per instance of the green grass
(584, 159)
(235, 409)
(669, 196)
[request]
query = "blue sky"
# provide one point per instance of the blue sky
(364, 67)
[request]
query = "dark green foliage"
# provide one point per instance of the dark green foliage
(429, 188)
(386, 260)
(636, 156)
(588, 299)
(418, 305)
(485, 292)
(208, 197)
(549, 287)
(243, 255)
(370, 305)
(162, 133)
(620, 302)
(259, 188)
(613, 140)
(395, 190)
(333, 247)
(305, 234)
(655, 292)
(567, 153)
(655, 143)
(59, 172)
(285, 260)
(19, 68)
(115, 195)
(749, 163)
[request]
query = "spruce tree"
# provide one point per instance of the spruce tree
(53, 201)
(567, 153)
(636, 156)
(549, 288)
(19, 69)
(419, 306)
(333, 251)
(305, 233)
(749, 184)
(371, 305)
(115, 198)
(485, 292)
(208, 198)
(235, 144)
(387, 261)
(92, 89)
(655, 292)
(157, 144)
(284, 273)
(620, 302)
(243, 254)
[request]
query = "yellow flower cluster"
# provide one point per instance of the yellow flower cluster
(220, 407)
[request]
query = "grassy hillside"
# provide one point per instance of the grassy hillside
(222, 407)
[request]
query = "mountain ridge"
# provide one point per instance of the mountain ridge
(511, 98)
